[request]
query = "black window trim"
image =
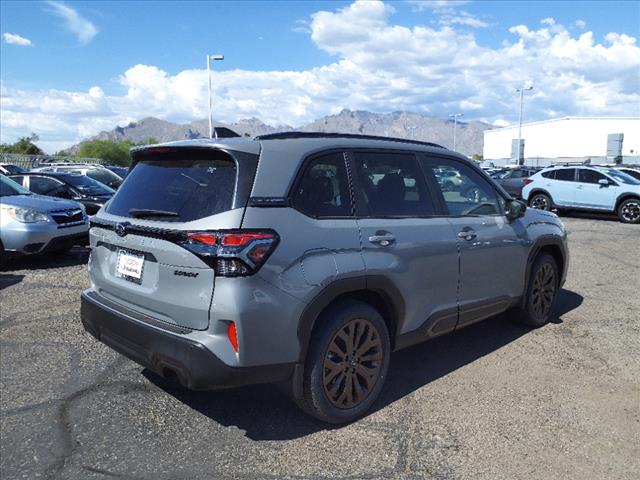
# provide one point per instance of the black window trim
(362, 212)
(289, 199)
(443, 204)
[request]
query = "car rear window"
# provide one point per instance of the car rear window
(177, 186)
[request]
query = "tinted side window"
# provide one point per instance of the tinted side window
(550, 174)
(323, 190)
(566, 174)
(392, 185)
(474, 195)
(590, 176)
(18, 179)
(45, 186)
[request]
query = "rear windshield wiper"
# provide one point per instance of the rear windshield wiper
(144, 212)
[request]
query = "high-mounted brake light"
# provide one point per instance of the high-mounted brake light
(233, 253)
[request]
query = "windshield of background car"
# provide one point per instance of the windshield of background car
(9, 187)
(88, 186)
(180, 185)
(13, 169)
(620, 176)
(103, 175)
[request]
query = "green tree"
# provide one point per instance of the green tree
(477, 157)
(24, 146)
(115, 153)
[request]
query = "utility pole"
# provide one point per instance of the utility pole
(520, 152)
(209, 58)
(455, 124)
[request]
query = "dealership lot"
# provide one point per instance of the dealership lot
(496, 400)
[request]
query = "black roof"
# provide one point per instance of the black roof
(288, 135)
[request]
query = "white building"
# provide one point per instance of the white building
(564, 139)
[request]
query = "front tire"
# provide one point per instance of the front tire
(541, 201)
(347, 363)
(629, 211)
(542, 293)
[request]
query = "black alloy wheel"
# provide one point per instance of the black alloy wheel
(629, 211)
(352, 364)
(541, 202)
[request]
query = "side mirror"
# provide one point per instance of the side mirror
(603, 182)
(515, 209)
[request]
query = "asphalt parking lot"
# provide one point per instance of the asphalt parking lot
(496, 400)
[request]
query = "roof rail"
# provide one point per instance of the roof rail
(286, 135)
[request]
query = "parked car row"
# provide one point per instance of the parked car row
(47, 209)
(32, 224)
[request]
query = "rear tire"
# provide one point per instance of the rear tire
(347, 363)
(629, 211)
(541, 201)
(542, 293)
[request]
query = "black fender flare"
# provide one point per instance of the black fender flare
(538, 245)
(378, 284)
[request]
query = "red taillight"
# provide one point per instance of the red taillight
(232, 253)
(233, 335)
(240, 239)
(206, 238)
(527, 181)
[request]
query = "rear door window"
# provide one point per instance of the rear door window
(392, 185)
(566, 174)
(178, 186)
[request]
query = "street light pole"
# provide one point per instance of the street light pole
(209, 58)
(455, 124)
(521, 90)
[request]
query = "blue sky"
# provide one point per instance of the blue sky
(96, 59)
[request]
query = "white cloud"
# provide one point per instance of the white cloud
(379, 66)
(580, 24)
(436, 4)
(15, 39)
(82, 28)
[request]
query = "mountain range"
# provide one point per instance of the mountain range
(469, 135)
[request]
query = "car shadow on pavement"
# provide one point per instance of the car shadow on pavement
(6, 280)
(264, 412)
(611, 217)
(76, 256)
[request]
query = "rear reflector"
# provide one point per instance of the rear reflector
(233, 335)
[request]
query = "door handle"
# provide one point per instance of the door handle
(382, 239)
(467, 234)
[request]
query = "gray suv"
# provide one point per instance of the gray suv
(306, 259)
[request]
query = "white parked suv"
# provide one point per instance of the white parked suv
(585, 188)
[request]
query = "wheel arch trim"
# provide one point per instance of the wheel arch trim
(378, 285)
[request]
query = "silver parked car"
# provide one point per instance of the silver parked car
(309, 258)
(31, 224)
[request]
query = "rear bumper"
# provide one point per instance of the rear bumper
(167, 353)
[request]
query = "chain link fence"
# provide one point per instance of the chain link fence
(34, 161)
